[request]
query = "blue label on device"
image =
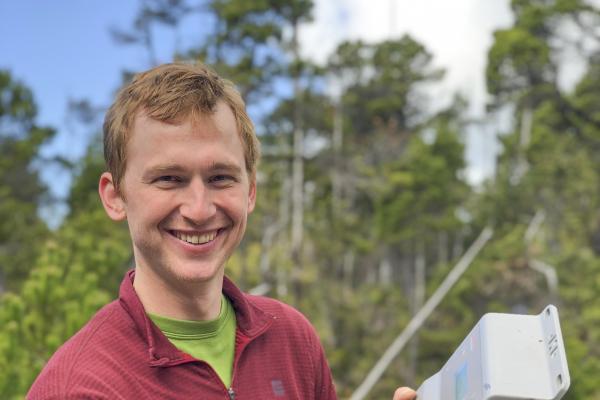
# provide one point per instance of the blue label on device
(460, 383)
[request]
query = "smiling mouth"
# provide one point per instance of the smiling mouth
(195, 238)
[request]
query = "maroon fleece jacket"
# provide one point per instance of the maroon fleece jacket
(121, 354)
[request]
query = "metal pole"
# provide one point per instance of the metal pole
(417, 321)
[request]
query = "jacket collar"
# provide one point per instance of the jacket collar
(250, 319)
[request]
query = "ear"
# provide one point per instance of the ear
(252, 195)
(113, 202)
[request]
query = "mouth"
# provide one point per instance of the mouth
(195, 238)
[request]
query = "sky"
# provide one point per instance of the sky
(63, 50)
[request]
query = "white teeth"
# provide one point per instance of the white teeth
(196, 239)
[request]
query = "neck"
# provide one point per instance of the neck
(193, 301)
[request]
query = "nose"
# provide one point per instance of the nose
(197, 203)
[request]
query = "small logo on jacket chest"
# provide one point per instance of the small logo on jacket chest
(278, 389)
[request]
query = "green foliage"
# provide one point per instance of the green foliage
(383, 94)
(248, 44)
(518, 62)
(84, 189)
(77, 272)
(584, 105)
(384, 195)
(561, 179)
(582, 311)
(21, 191)
(422, 191)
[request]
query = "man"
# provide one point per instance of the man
(181, 155)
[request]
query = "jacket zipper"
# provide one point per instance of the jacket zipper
(238, 352)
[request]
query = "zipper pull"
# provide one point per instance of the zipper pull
(231, 394)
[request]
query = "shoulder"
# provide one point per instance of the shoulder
(279, 310)
(92, 346)
(293, 338)
(287, 320)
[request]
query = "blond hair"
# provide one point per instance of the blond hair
(171, 93)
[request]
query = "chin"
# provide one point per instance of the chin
(196, 273)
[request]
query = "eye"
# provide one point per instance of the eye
(222, 180)
(167, 180)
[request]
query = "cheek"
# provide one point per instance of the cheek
(147, 211)
(237, 206)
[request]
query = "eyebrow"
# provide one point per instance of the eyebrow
(225, 166)
(163, 168)
(176, 168)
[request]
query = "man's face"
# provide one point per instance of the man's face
(186, 195)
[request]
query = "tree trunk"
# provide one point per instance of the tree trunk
(337, 139)
(522, 166)
(418, 300)
(348, 271)
(272, 230)
(443, 247)
(297, 174)
(298, 162)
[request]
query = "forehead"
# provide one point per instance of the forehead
(220, 120)
(151, 137)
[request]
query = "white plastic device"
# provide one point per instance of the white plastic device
(505, 357)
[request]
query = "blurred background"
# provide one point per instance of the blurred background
(393, 133)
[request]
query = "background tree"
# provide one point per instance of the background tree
(382, 203)
(21, 190)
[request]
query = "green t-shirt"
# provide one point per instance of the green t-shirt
(210, 341)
